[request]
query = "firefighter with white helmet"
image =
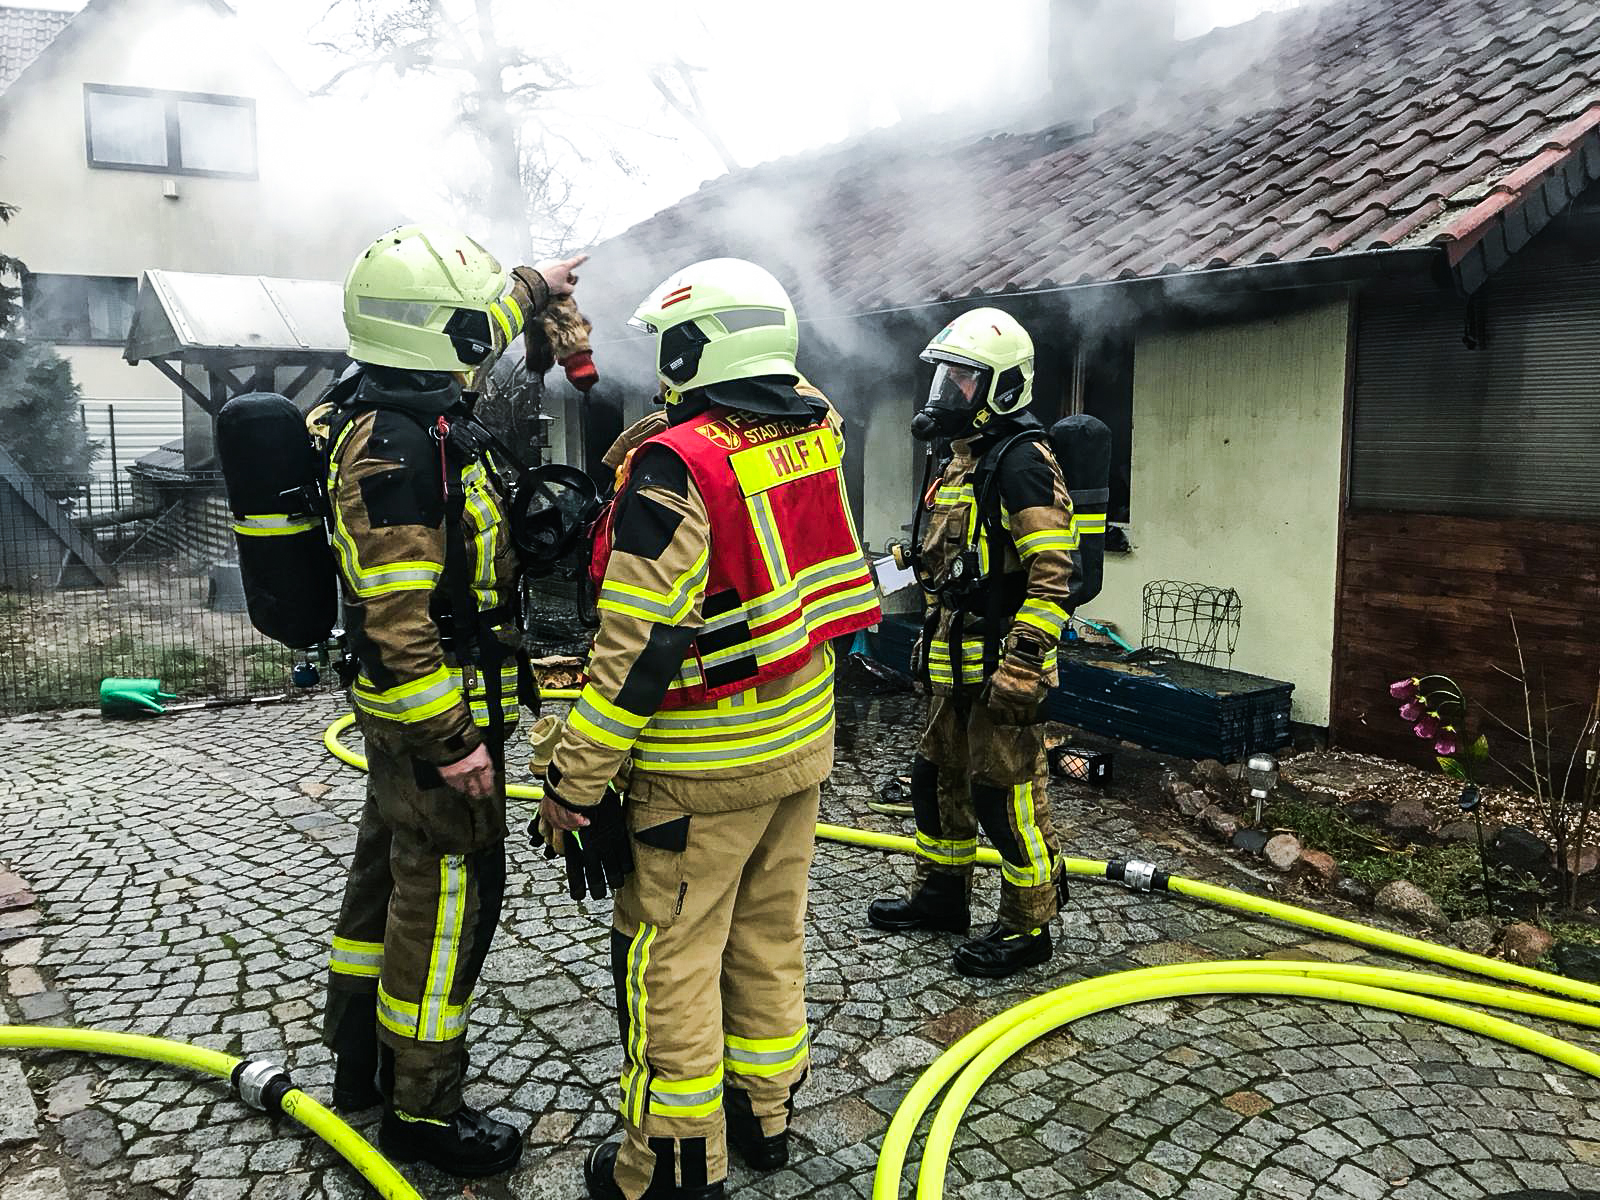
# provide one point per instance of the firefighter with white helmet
(996, 560)
(686, 778)
(418, 502)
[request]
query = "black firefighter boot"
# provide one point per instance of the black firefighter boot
(763, 1152)
(1002, 952)
(469, 1144)
(355, 1075)
(600, 1177)
(940, 903)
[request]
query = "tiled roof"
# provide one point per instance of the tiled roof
(1346, 126)
(24, 32)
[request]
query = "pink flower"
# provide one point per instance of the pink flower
(1404, 689)
(1427, 728)
(1448, 745)
(1412, 710)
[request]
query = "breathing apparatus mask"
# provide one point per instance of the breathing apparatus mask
(552, 509)
(955, 397)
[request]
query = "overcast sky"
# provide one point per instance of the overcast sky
(774, 83)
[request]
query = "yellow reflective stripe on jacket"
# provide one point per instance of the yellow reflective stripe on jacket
(436, 692)
(478, 695)
(765, 523)
(1089, 522)
(273, 525)
(596, 717)
(947, 852)
(379, 580)
(668, 608)
(698, 1097)
(635, 1072)
(738, 713)
(350, 957)
(1030, 544)
(486, 521)
(941, 670)
(1046, 616)
(765, 1057)
(811, 722)
(508, 315)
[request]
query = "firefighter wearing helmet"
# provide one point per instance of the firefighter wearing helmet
(686, 777)
(418, 501)
(996, 560)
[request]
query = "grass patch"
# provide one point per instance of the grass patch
(1321, 827)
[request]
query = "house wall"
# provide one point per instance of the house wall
(306, 216)
(1472, 498)
(1237, 446)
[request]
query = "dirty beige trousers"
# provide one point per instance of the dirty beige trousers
(708, 955)
(420, 908)
(969, 772)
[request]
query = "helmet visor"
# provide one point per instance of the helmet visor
(958, 388)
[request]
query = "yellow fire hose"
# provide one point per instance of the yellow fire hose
(261, 1085)
(974, 1058)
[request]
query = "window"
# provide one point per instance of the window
(1102, 386)
(84, 309)
(180, 133)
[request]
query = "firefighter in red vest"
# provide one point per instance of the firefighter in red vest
(687, 776)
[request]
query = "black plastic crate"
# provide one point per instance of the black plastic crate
(1157, 701)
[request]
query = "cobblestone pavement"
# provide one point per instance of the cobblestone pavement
(187, 872)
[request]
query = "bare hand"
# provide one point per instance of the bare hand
(472, 776)
(561, 277)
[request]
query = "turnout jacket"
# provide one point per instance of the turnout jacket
(392, 489)
(710, 687)
(1031, 561)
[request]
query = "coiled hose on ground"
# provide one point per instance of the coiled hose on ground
(973, 1059)
(983, 1051)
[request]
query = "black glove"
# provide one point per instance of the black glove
(599, 854)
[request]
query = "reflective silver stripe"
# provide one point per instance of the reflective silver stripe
(731, 718)
(446, 948)
(366, 962)
(760, 1058)
(768, 648)
(839, 603)
(594, 716)
(660, 1096)
(374, 703)
(674, 605)
(766, 532)
(403, 1019)
(652, 755)
(813, 578)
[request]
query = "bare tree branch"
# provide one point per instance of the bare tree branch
(692, 110)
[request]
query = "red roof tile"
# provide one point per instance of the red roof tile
(1350, 126)
(24, 32)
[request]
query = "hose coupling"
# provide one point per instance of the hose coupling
(262, 1085)
(1138, 876)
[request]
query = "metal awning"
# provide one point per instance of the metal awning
(240, 328)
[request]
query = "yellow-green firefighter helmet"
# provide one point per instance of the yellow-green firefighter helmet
(719, 320)
(993, 342)
(423, 297)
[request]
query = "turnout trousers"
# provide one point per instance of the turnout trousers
(421, 904)
(970, 773)
(708, 954)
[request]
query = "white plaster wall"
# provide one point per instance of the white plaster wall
(1237, 435)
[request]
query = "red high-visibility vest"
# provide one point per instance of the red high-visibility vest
(786, 571)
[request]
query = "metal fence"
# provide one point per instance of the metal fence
(132, 576)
